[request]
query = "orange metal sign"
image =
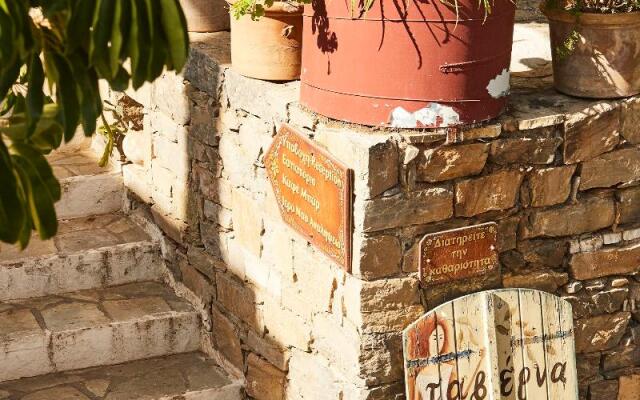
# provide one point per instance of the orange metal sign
(313, 191)
(458, 254)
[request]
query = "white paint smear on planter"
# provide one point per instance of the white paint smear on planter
(499, 86)
(434, 115)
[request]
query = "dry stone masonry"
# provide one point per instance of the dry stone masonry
(559, 176)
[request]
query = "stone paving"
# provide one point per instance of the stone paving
(93, 327)
(79, 163)
(78, 235)
(183, 376)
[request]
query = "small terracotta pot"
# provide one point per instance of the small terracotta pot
(269, 48)
(604, 62)
(206, 15)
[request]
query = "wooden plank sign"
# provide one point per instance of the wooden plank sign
(511, 344)
(313, 191)
(458, 254)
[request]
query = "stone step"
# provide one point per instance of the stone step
(184, 376)
(90, 252)
(93, 328)
(87, 189)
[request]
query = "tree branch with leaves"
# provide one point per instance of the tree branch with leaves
(52, 55)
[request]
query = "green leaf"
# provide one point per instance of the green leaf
(67, 97)
(116, 38)
(89, 93)
(139, 39)
(35, 96)
(80, 23)
(100, 36)
(41, 208)
(12, 215)
(8, 78)
(24, 187)
(174, 26)
(42, 167)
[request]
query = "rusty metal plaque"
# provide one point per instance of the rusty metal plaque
(313, 191)
(458, 254)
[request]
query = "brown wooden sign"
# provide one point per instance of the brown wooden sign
(313, 191)
(511, 344)
(458, 254)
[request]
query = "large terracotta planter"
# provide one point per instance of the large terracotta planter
(605, 60)
(408, 64)
(206, 15)
(269, 48)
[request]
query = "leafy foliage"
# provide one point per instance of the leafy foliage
(52, 55)
(256, 8)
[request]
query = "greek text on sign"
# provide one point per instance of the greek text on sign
(458, 254)
(313, 191)
(511, 344)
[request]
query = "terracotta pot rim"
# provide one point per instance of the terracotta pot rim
(281, 8)
(594, 19)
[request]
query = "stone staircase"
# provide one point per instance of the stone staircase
(85, 316)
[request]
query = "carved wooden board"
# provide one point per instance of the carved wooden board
(458, 254)
(512, 344)
(313, 191)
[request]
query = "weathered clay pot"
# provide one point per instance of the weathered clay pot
(206, 15)
(269, 48)
(407, 64)
(605, 61)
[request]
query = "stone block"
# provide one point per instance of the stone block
(599, 333)
(272, 352)
(524, 150)
(597, 264)
(90, 195)
(376, 257)
(405, 209)
(498, 191)
(373, 158)
(311, 377)
(339, 342)
(170, 94)
(237, 299)
(137, 147)
(226, 338)
(198, 283)
(616, 167)
(204, 262)
(161, 124)
(550, 186)
(449, 162)
(137, 180)
(266, 100)
(264, 381)
(631, 121)
(247, 222)
(173, 156)
(629, 387)
(284, 327)
(603, 390)
(547, 281)
(588, 215)
(543, 253)
(587, 135)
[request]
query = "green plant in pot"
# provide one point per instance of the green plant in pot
(266, 38)
(595, 45)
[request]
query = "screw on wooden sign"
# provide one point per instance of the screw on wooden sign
(458, 254)
(313, 191)
(515, 344)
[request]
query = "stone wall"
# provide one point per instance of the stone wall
(561, 177)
